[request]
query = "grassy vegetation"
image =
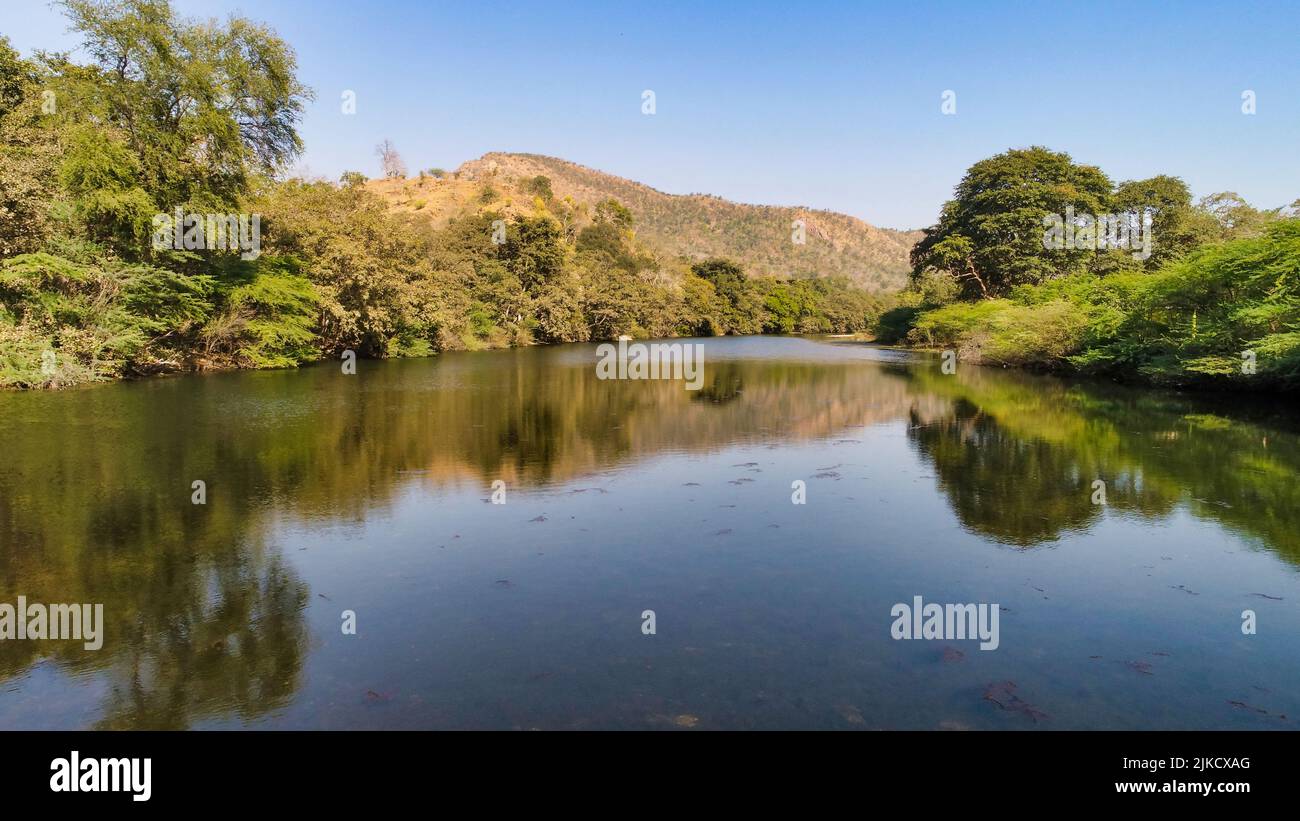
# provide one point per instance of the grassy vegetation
(1218, 306)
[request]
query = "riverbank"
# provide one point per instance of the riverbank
(1226, 317)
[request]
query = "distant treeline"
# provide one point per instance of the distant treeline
(176, 119)
(1212, 300)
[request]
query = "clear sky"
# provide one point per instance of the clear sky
(829, 105)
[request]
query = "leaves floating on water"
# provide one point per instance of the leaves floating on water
(1244, 706)
(685, 720)
(1143, 667)
(1266, 596)
(952, 655)
(1003, 694)
(723, 532)
(538, 519)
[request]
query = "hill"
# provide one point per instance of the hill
(697, 226)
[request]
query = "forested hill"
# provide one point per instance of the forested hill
(696, 226)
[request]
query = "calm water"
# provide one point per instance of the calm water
(371, 493)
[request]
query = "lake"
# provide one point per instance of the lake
(373, 493)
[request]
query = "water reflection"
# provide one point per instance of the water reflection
(206, 606)
(1017, 456)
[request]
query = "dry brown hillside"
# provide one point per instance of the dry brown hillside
(695, 225)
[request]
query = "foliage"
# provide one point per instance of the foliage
(1196, 321)
(1213, 305)
(28, 157)
(989, 237)
(200, 108)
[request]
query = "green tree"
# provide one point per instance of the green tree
(540, 186)
(1235, 217)
(534, 250)
(611, 210)
(362, 259)
(1177, 227)
(200, 108)
(989, 238)
(28, 156)
(741, 307)
(700, 308)
(352, 179)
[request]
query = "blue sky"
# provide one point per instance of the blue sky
(829, 105)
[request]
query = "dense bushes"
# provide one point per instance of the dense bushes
(1228, 313)
(1210, 298)
(1205, 318)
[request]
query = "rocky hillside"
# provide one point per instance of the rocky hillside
(695, 225)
